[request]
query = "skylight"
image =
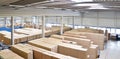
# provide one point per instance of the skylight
(82, 0)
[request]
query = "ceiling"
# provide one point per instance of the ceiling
(92, 5)
(6, 2)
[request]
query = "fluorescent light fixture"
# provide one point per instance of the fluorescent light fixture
(41, 7)
(16, 6)
(98, 7)
(82, 0)
(87, 4)
(58, 8)
(92, 5)
(114, 6)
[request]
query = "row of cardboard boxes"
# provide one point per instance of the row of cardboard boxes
(80, 45)
(97, 39)
(26, 34)
(75, 48)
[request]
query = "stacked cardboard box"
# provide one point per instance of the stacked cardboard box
(57, 42)
(44, 54)
(1, 37)
(85, 43)
(90, 30)
(68, 44)
(22, 51)
(39, 53)
(39, 43)
(8, 54)
(74, 51)
(80, 41)
(97, 39)
(79, 36)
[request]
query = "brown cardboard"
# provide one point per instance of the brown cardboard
(44, 54)
(44, 45)
(86, 43)
(80, 41)
(22, 51)
(93, 51)
(8, 54)
(97, 39)
(74, 51)
(39, 53)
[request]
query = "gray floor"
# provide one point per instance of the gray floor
(112, 50)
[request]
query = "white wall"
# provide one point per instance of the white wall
(91, 18)
(101, 18)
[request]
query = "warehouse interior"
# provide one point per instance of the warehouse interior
(59, 29)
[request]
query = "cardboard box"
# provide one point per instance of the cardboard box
(74, 51)
(22, 51)
(8, 54)
(80, 41)
(44, 54)
(97, 39)
(39, 43)
(86, 43)
(93, 51)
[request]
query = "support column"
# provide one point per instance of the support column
(5, 20)
(12, 30)
(82, 16)
(98, 19)
(43, 27)
(61, 30)
(22, 20)
(38, 22)
(73, 22)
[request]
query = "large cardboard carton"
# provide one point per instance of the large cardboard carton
(39, 53)
(8, 54)
(86, 43)
(80, 41)
(98, 39)
(22, 51)
(44, 54)
(93, 51)
(39, 43)
(74, 51)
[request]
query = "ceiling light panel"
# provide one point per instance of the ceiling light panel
(82, 0)
(106, 0)
(87, 4)
(92, 5)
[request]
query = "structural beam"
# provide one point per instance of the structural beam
(61, 30)
(12, 30)
(43, 26)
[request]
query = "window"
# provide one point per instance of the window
(113, 30)
(109, 30)
(117, 31)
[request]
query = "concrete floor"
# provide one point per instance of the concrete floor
(112, 50)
